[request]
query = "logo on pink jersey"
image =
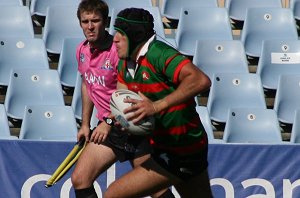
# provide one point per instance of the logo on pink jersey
(107, 65)
(81, 57)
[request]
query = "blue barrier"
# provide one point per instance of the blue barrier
(236, 170)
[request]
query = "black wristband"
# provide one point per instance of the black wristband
(109, 121)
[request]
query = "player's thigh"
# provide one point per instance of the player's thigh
(142, 181)
(198, 186)
(93, 160)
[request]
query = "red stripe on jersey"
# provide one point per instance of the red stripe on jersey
(178, 69)
(179, 130)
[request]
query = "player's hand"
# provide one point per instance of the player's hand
(100, 133)
(84, 132)
(139, 108)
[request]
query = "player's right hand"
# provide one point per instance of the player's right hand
(84, 132)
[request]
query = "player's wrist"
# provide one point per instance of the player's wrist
(109, 121)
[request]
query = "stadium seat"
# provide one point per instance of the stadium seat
(4, 126)
(237, 8)
(287, 98)
(94, 119)
(67, 63)
(205, 119)
(199, 23)
(231, 90)
(32, 87)
(278, 57)
(61, 22)
(48, 122)
(117, 4)
(295, 133)
(11, 3)
(76, 99)
(39, 7)
(158, 24)
(21, 53)
(267, 24)
(171, 8)
(252, 125)
(220, 57)
(15, 21)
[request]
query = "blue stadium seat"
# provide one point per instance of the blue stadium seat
(11, 3)
(48, 122)
(39, 7)
(287, 98)
(117, 4)
(76, 98)
(295, 133)
(171, 8)
(15, 21)
(158, 24)
(237, 8)
(4, 126)
(67, 63)
(205, 119)
(32, 87)
(278, 57)
(61, 22)
(252, 125)
(94, 119)
(21, 53)
(231, 90)
(267, 24)
(220, 57)
(200, 23)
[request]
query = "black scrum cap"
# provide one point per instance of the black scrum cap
(137, 24)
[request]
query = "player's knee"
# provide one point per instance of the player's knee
(75, 179)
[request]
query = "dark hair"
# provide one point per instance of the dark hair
(97, 6)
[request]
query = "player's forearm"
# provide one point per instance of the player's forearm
(87, 106)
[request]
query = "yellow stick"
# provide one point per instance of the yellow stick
(66, 164)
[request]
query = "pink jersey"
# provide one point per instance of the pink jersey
(99, 71)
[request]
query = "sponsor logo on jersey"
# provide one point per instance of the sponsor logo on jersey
(107, 65)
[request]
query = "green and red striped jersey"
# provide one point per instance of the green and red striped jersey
(177, 129)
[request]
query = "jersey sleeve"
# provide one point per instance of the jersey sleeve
(168, 61)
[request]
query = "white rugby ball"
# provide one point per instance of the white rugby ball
(117, 106)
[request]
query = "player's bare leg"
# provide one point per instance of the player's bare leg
(139, 161)
(94, 160)
(144, 180)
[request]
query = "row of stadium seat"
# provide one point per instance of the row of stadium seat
(212, 56)
(32, 86)
(243, 125)
(211, 24)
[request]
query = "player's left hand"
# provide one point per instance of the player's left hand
(100, 133)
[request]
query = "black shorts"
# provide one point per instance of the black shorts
(184, 167)
(127, 147)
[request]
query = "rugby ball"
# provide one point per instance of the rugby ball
(117, 106)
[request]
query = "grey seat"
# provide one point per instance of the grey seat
(48, 122)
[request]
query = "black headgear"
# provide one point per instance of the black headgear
(137, 24)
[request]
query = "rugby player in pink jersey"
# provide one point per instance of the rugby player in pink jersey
(97, 63)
